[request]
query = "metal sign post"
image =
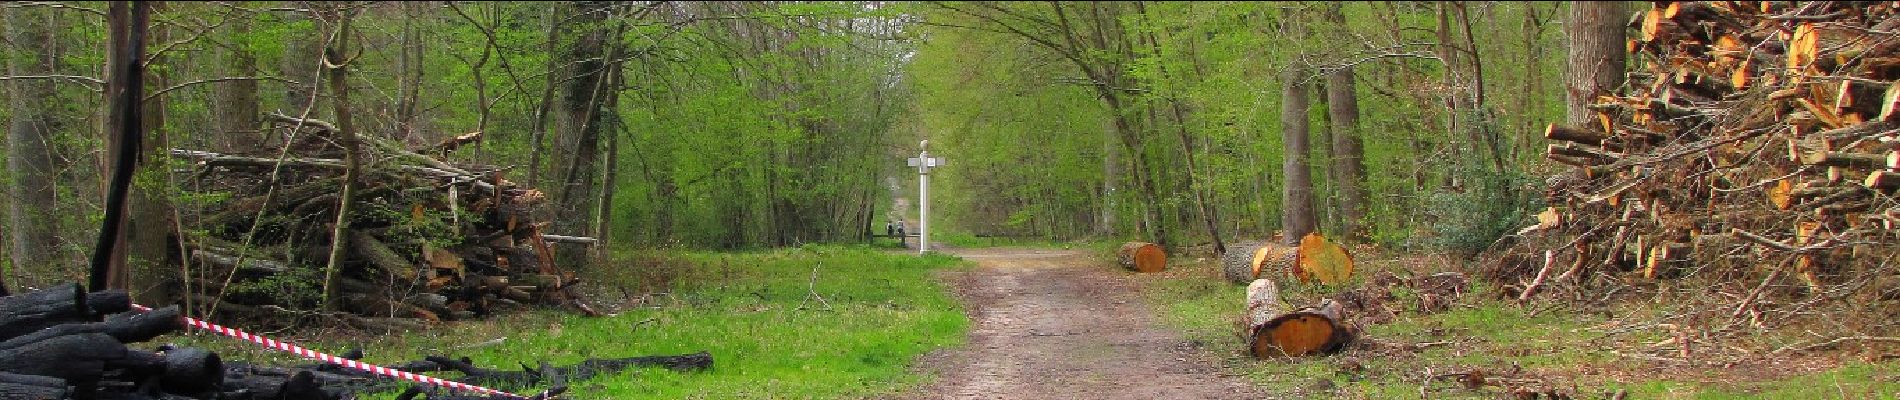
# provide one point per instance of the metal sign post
(924, 163)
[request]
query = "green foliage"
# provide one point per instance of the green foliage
(752, 311)
(1483, 205)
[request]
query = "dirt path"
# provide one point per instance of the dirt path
(1055, 324)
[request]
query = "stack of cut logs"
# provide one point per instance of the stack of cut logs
(1751, 133)
(64, 343)
(430, 240)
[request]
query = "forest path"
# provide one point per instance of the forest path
(1058, 324)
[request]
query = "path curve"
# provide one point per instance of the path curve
(1058, 324)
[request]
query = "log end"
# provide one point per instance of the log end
(1143, 257)
(1297, 335)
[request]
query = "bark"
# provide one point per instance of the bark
(346, 135)
(299, 64)
(31, 196)
(577, 117)
(1595, 35)
(1111, 172)
(1296, 218)
(237, 102)
(125, 123)
(410, 69)
(149, 226)
(1349, 169)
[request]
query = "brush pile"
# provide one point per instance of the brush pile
(1754, 139)
(429, 241)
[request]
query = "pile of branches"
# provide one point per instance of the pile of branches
(64, 343)
(1755, 140)
(428, 240)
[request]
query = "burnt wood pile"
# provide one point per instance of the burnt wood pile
(64, 343)
(429, 240)
(1753, 140)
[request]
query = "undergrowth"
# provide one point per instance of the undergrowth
(1580, 353)
(759, 314)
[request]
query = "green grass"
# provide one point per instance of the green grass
(886, 309)
(1565, 348)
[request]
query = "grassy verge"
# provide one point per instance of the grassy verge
(755, 312)
(1565, 352)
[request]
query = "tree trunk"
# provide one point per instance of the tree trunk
(237, 101)
(1349, 169)
(1595, 33)
(577, 118)
(1296, 216)
(338, 51)
(299, 64)
(149, 226)
(1111, 172)
(410, 67)
(30, 129)
(125, 84)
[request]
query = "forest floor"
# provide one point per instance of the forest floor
(1481, 347)
(1060, 324)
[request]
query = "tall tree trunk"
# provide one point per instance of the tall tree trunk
(339, 20)
(546, 106)
(1296, 215)
(577, 118)
(297, 65)
(1348, 169)
(1111, 173)
(125, 84)
(149, 226)
(410, 67)
(1595, 32)
(237, 101)
(30, 129)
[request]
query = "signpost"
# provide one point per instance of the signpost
(924, 163)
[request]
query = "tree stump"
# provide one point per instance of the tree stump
(1142, 257)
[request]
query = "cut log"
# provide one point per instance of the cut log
(1882, 180)
(192, 370)
(76, 358)
(1859, 97)
(571, 239)
(1322, 260)
(1574, 135)
(125, 328)
(28, 312)
(1844, 159)
(31, 387)
(1247, 260)
(1890, 103)
(1272, 332)
(381, 256)
(1142, 257)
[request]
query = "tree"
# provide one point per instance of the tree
(1296, 216)
(149, 227)
(1349, 169)
(1594, 31)
(336, 21)
(577, 115)
(1348, 155)
(30, 130)
(125, 127)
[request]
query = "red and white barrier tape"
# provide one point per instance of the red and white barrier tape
(319, 356)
